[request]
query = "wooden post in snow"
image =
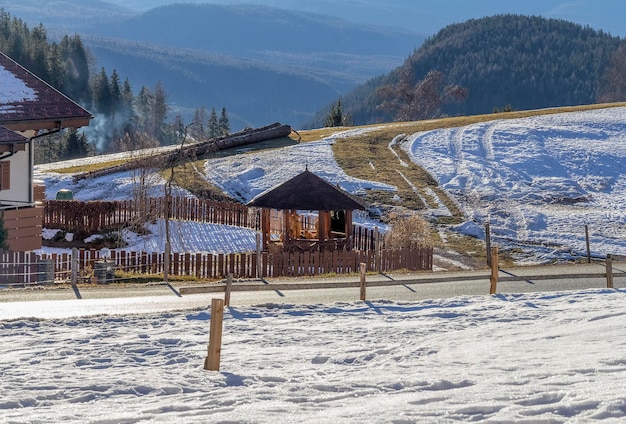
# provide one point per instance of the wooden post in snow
(258, 256)
(494, 270)
(229, 286)
(488, 243)
(212, 361)
(362, 271)
(74, 267)
(609, 272)
(377, 250)
(587, 241)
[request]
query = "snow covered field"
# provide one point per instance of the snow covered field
(544, 357)
(537, 180)
(550, 358)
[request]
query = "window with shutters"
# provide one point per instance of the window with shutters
(5, 175)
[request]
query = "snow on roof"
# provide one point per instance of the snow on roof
(14, 90)
(26, 97)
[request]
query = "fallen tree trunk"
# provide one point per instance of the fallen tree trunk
(197, 150)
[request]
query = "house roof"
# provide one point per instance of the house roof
(29, 103)
(306, 191)
(10, 137)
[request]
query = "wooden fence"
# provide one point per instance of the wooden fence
(24, 268)
(28, 269)
(90, 217)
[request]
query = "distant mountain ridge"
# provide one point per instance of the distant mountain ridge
(283, 67)
(429, 16)
(243, 29)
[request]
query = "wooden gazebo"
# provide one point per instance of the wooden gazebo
(308, 192)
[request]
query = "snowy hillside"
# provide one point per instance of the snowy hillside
(538, 181)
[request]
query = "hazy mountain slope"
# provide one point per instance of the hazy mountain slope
(525, 62)
(253, 93)
(294, 63)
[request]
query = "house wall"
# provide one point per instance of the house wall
(20, 191)
(24, 228)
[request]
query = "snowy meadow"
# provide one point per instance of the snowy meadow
(536, 358)
(538, 181)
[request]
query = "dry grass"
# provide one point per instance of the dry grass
(89, 167)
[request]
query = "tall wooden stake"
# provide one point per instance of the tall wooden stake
(488, 243)
(212, 361)
(258, 256)
(377, 250)
(74, 267)
(587, 240)
(494, 270)
(609, 272)
(362, 271)
(229, 286)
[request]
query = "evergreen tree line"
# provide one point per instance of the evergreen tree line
(122, 120)
(209, 125)
(64, 65)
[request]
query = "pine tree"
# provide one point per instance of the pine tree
(101, 93)
(38, 52)
(143, 106)
(76, 69)
(199, 121)
(213, 127)
(126, 110)
(76, 145)
(335, 117)
(159, 112)
(57, 72)
(224, 125)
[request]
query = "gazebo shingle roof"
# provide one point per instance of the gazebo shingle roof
(306, 191)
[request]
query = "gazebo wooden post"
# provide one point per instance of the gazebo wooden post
(348, 227)
(286, 235)
(265, 227)
(324, 222)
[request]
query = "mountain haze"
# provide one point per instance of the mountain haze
(281, 60)
(429, 16)
(263, 64)
(283, 67)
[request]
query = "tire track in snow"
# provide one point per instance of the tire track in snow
(463, 175)
(486, 141)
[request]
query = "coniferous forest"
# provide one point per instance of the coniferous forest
(501, 62)
(122, 120)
